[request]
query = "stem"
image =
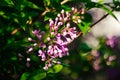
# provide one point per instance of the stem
(99, 20)
(102, 18)
(62, 28)
(63, 2)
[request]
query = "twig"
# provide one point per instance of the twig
(102, 18)
(63, 2)
(99, 20)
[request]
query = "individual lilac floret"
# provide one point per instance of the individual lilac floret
(74, 10)
(30, 50)
(54, 26)
(42, 54)
(64, 16)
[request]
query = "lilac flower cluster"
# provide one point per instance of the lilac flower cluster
(61, 34)
(97, 59)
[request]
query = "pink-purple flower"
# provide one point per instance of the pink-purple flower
(61, 34)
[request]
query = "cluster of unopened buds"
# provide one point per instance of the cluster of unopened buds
(61, 34)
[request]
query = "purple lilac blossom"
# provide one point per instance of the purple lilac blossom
(57, 41)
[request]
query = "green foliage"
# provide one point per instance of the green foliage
(25, 76)
(85, 25)
(36, 75)
(55, 69)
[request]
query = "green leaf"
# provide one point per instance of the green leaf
(57, 68)
(25, 76)
(35, 58)
(85, 24)
(56, 4)
(32, 5)
(116, 2)
(3, 3)
(84, 48)
(84, 27)
(66, 8)
(9, 2)
(38, 76)
(14, 58)
(46, 18)
(49, 15)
